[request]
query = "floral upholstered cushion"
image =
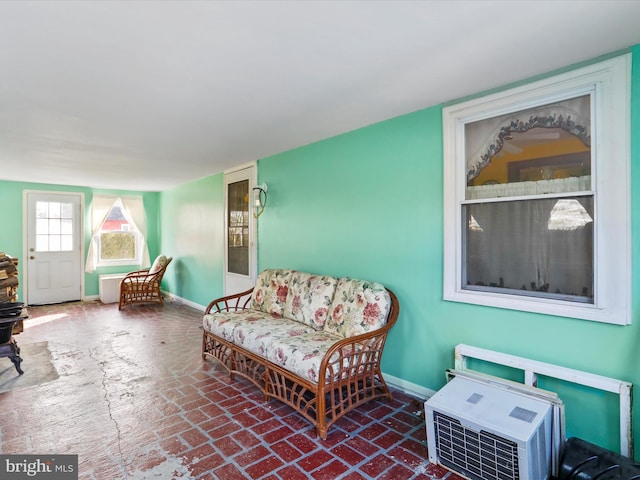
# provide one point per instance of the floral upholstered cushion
(260, 337)
(303, 353)
(309, 298)
(159, 263)
(358, 307)
(270, 293)
(291, 344)
(224, 324)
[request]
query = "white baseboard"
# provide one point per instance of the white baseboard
(167, 295)
(183, 301)
(408, 387)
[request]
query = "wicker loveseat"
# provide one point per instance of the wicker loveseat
(314, 342)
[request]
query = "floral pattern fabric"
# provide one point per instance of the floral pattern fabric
(224, 324)
(271, 290)
(303, 353)
(291, 344)
(159, 263)
(296, 317)
(309, 298)
(358, 307)
(262, 336)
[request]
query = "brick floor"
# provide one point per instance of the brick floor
(135, 400)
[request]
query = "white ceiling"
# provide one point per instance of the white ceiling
(147, 95)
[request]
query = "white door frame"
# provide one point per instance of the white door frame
(233, 283)
(25, 238)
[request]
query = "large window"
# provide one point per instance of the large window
(119, 229)
(119, 238)
(537, 196)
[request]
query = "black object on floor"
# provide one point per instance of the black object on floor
(10, 309)
(582, 460)
(8, 345)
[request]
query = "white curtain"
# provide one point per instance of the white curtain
(518, 189)
(541, 245)
(134, 211)
(485, 138)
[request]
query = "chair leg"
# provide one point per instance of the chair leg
(15, 355)
(16, 363)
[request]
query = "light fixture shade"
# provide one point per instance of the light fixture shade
(259, 199)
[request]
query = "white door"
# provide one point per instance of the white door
(240, 231)
(54, 248)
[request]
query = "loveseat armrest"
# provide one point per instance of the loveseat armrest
(350, 374)
(353, 357)
(230, 303)
(362, 342)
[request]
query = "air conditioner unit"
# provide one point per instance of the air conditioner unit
(485, 431)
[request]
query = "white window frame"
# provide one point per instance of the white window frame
(609, 82)
(100, 207)
(138, 243)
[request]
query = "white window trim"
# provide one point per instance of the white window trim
(610, 81)
(100, 208)
(101, 262)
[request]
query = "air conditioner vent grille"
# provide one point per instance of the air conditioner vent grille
(475, 398)
(523, 414)
(479, 455)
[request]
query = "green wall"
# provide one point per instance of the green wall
(369, 204)
(11, 231)
(192, 231)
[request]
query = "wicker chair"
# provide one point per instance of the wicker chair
(143, 286)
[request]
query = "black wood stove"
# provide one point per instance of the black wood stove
(10, 313)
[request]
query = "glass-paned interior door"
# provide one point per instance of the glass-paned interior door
(240, 231)
(238, 227)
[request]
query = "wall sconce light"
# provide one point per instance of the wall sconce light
(259, 199)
